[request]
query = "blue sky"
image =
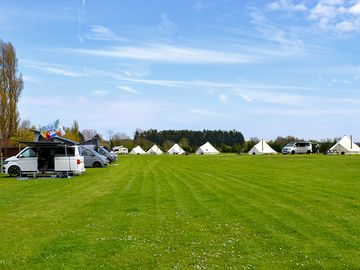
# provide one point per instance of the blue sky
(266, 68)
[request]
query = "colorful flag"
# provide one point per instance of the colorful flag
(51, 130)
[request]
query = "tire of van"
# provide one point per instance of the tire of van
(14, 171)
(97, 164)
(308, 152)
(292, 152)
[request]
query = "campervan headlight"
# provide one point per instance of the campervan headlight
(6, 162)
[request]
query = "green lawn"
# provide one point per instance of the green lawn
(187, 212)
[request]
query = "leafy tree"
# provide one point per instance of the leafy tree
(144, 143)
(73, 133)
(326, 144)
(250, 144)
(184, 142)
(167, 145)
(11, 86)
(23, 134)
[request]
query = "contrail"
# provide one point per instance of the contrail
(83, 3)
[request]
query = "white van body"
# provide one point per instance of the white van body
(297, 148)
(120, 150)
(26, 162)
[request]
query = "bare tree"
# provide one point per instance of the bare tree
(11, 86)
(89, 133)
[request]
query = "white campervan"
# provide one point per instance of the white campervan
(46, 158)
(297, 148)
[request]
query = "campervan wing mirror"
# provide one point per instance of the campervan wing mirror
(21, 156)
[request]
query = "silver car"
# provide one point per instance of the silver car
(93, 158)
(297, 148)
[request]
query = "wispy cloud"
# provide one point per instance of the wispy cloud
(286, 5)
(289, 42)
(100, 32)
(139, 113)
(218, 85)
(308, 111)
(223, 99)
(32, 79)
(100, 93)
(204, 112)
(167, 53)
(272, 97)
(166, 25)
(51, 68)
(129, 89)
(199, 6)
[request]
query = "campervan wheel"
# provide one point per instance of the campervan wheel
(14, 171)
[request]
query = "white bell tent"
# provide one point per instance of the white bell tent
(137, 151)
(261, 148)
(154, 150)
(207, 149)
(176, 150)
(345, 146)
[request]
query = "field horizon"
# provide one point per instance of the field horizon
(187, 212)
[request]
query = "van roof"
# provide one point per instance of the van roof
(46, 144)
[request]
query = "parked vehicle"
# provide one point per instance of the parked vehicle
(46, 158)
(102, 151)
(297, 148)
(120, 150)
(93, 158)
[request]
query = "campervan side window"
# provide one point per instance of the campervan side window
(60, 152)
(29, 153)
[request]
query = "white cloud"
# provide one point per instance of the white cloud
(99, 32)
(100, 93)
(332, 2)
(274, 6)
(129, 89)
(32, 79)
(302, 112)
(286, 5)
(321, 11)
(167, 53)
(289, 42)
(166, 25)
(203, 112)
(345, 26)
(245, 97)
(135, 113)
(223, 99)
(199, 6)
(272, 97)
(355, 9)
(191, 84)
(51, 68)
(329, 15)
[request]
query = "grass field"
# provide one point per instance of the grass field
(187, 212)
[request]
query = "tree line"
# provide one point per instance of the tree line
(190, 140)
